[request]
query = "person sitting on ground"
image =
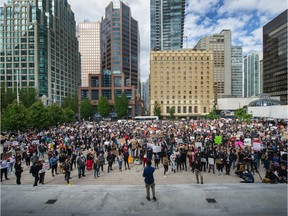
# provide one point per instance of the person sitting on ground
(248, 177)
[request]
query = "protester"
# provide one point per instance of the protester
(67, 170)
(4, 168)
(149, 180)
(18, 171)
(198, 171)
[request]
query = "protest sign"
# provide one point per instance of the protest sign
(218, 140)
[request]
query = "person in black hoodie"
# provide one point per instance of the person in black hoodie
(18, 170)
(34, 170)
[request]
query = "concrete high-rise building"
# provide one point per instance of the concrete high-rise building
(253, 79)
(275, 57)
(89, 46)
(39, 48)
(167, 24)
(182, 80)
(220, 44)
(120, 43)
(145, 95)
(236, 71)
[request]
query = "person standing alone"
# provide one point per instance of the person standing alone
(149, 180)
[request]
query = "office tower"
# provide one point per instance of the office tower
(220, 44)
(120, 43)
(145, 95)
(89, 46)
(38, 46)
(167, 24)
(236, 71)
(182, 80)
(275, 57)
(252, 74)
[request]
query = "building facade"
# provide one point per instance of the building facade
(120, 43)
(39, 48)
(167, 24)
(220, 44)
(236, 71)
(253, 79)
(181, 80)
(275, 57)
(108, 85)
(145, 96)
(88, 34)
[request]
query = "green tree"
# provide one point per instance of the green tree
(157, 109)
(86, 109)
(7, 97)
(121, 105)
(172, 112)
(212, 115)
(28, 96)
(56, 114)
(71, 103)
(14, 118)
(69, 115)
(103, 106)
(38, 115)
(242, 115)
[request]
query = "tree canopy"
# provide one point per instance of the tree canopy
(121, 105)
(103, 106)
(157, 109)
(86, 109)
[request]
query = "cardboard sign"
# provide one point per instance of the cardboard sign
(247, 142)
(198, 144)
(156, 149)
(257, 146)
(211, 161)
(35, 142)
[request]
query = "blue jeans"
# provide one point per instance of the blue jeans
(120, 165)
(96, 172)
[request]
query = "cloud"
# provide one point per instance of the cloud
(202, 7)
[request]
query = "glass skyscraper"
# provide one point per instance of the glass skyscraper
(167, 24)
(39, 48)
(120, 43)
(253, 80)
(275, 71)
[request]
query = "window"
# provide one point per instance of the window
(84, 94)
(117, 81)
(95, 95)
(95, 82)
(179, 109)
(167, 109)
(204, 109)
(195, 109)
(190, 109)
(107, 93)
(184, 109)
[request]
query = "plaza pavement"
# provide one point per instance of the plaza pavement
(123, 193)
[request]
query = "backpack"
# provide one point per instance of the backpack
(80, 162)
(66, 166)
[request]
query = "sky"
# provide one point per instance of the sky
(245, 18)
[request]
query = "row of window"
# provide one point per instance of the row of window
(185, 109)
(195, 58)
(96, 94)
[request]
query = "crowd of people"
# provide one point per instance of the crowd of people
(188, 145)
